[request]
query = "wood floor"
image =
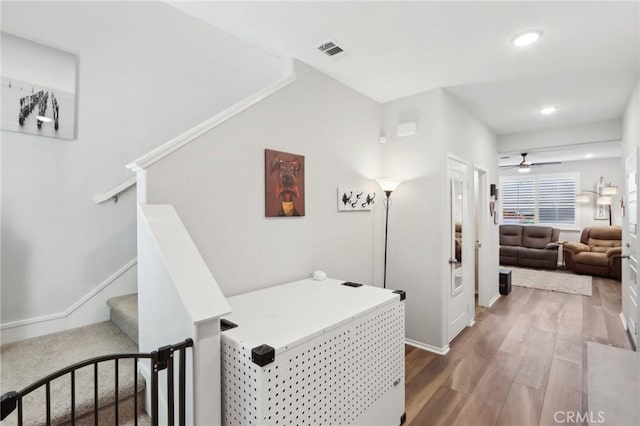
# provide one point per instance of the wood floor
(523, 360)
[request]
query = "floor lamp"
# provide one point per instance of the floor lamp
(604, 197)
(388, 186)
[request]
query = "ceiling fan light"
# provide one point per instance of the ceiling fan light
(524, 169)
(609, 190)
(604, 201)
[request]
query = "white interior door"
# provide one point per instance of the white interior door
(460, 291)
(630, 250)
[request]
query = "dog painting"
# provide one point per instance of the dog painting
(284, 184)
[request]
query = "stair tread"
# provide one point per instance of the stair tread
(124, 314)
(126, 305)
(29, 360)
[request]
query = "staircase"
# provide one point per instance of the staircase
(124, 314)
(29, 360)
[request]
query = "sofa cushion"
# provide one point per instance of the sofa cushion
(509, 251)
(613, 233)
(602, 246)
(536, 237)
(591, 258)
(510, 235)
(530, 253)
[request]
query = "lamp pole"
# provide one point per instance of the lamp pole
(388, 185)
(387, 204)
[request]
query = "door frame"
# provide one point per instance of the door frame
(484, 296)
(631, 248)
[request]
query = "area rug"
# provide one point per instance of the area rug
(613, 385)
(564, 282)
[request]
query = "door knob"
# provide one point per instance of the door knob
(624, 256)
(453, 261)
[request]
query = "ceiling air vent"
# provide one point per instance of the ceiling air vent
(330, 48)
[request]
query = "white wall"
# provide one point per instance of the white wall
(146, 73)
(419, 218)
(589, 172)
(471, 140)
(216, 184)
(599, 131)
(416, 236)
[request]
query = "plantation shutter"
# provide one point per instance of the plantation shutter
(557, 200)
(518, 201)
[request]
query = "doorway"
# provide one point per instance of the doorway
(480, 221)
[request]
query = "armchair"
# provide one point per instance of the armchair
(598, 252)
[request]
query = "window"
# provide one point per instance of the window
(539, 199)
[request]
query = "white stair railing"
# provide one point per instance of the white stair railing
(114, 193)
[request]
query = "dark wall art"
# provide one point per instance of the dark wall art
(284, 184)
(38, 89)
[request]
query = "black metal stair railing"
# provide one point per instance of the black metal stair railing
(161, 359)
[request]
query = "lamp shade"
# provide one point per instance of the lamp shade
(604, 201)
(388, 184)
(609, 190)
(582, 198)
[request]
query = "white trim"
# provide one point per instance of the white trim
(114, 192)
(472, 322)
(624, 321)
(206, 126)
(494, 300)
(76, 305)
(440, 351)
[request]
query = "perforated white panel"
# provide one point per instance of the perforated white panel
(329, 380)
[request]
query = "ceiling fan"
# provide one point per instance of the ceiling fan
(524, 166)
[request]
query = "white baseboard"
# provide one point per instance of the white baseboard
(436, 350)
(89, 309)
(624, 321)
(472, 322)
(492, 301)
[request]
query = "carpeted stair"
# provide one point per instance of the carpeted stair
(124, 314)
(27, 361)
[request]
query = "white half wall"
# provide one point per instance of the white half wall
(178, 299)
(146, 73)
(217, 182)
(599, 131)
(589, 172)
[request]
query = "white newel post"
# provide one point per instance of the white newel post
(206, 381)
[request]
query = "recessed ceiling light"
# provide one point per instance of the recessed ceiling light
(548, 110)
(589, 155)
(526, 38)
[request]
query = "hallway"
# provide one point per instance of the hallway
(524, 360)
